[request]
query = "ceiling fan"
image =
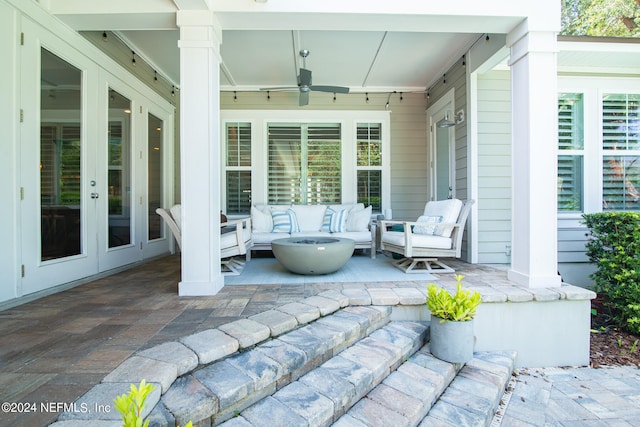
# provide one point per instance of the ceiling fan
(304, 83)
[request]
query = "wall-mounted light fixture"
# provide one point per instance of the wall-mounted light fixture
(447, 122)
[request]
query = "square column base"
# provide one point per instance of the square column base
(200, 289)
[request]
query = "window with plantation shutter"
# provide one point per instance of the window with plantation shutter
(570, 152)
(238, 168)
(369, 164)
(621, 151)
(304, 163)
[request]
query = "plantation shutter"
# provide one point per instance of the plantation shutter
(304, 164)
(284, 169)
(620, 135)
(70, 165)
(238, 168)
(324, 165)
(570, 154)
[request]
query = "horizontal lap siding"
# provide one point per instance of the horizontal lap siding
(571, 244)
(494, 167)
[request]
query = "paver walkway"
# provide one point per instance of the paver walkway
(56, 348)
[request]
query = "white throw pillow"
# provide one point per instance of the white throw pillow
(358, 219)
(284, 221)
(261, 222)
(427, 229)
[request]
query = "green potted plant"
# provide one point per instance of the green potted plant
(452, 336)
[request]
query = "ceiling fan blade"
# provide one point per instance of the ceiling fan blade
(304, 98)
(291, 88)
(304, 79)
(334, 89)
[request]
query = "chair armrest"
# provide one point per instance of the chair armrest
(240, 226)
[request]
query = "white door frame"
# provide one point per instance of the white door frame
(436, 113)
(38, 275)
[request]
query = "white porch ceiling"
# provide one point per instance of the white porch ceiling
(362, 60)
(367, 46)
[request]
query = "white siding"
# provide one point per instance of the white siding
(494, 167)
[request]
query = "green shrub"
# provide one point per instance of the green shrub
(614, 245)
(459, 307)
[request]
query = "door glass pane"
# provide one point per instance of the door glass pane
(285, 169)
(370, 189)
(119, 170)
(304, 163)
(443, 173)
(238, 192)
(156, 131)
(60, 157)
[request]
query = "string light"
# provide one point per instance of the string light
(464, 61)
(444, 79)
(401, 97)
(268, 96)
(334, 97)
(155, 76)
(235, 96)
(104, 36)
(173, 90)
(367, 99)
(487, 38)
(133, 58)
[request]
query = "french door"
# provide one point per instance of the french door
(442, 148)
(92, 164)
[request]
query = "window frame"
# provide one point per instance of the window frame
(348, 120)
(593, 89)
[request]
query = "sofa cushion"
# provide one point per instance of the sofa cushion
(427, 229)
(360, 237)
(358, 219)
(309, 216)
(448, 209)
(284, 221)
(418, 240)
(261, 221)
(266, 238)
(348, 206)
(311, 234)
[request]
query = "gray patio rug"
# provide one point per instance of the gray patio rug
(360, 268)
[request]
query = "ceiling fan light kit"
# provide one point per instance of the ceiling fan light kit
(305, 83)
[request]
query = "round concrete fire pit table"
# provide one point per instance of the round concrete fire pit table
(313, 255)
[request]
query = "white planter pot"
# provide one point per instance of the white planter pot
(452, 341)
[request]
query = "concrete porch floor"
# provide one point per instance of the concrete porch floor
(56, 348)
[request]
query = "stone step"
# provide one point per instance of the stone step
(351, 367)
(360, 387)
(321, 396)
(221, 390)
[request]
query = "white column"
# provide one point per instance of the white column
(200, 153)
(534, 240)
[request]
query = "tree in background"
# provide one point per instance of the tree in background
(612, 18)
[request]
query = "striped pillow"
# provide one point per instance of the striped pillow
(326, 221)
(285, 221)
(338, 223)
